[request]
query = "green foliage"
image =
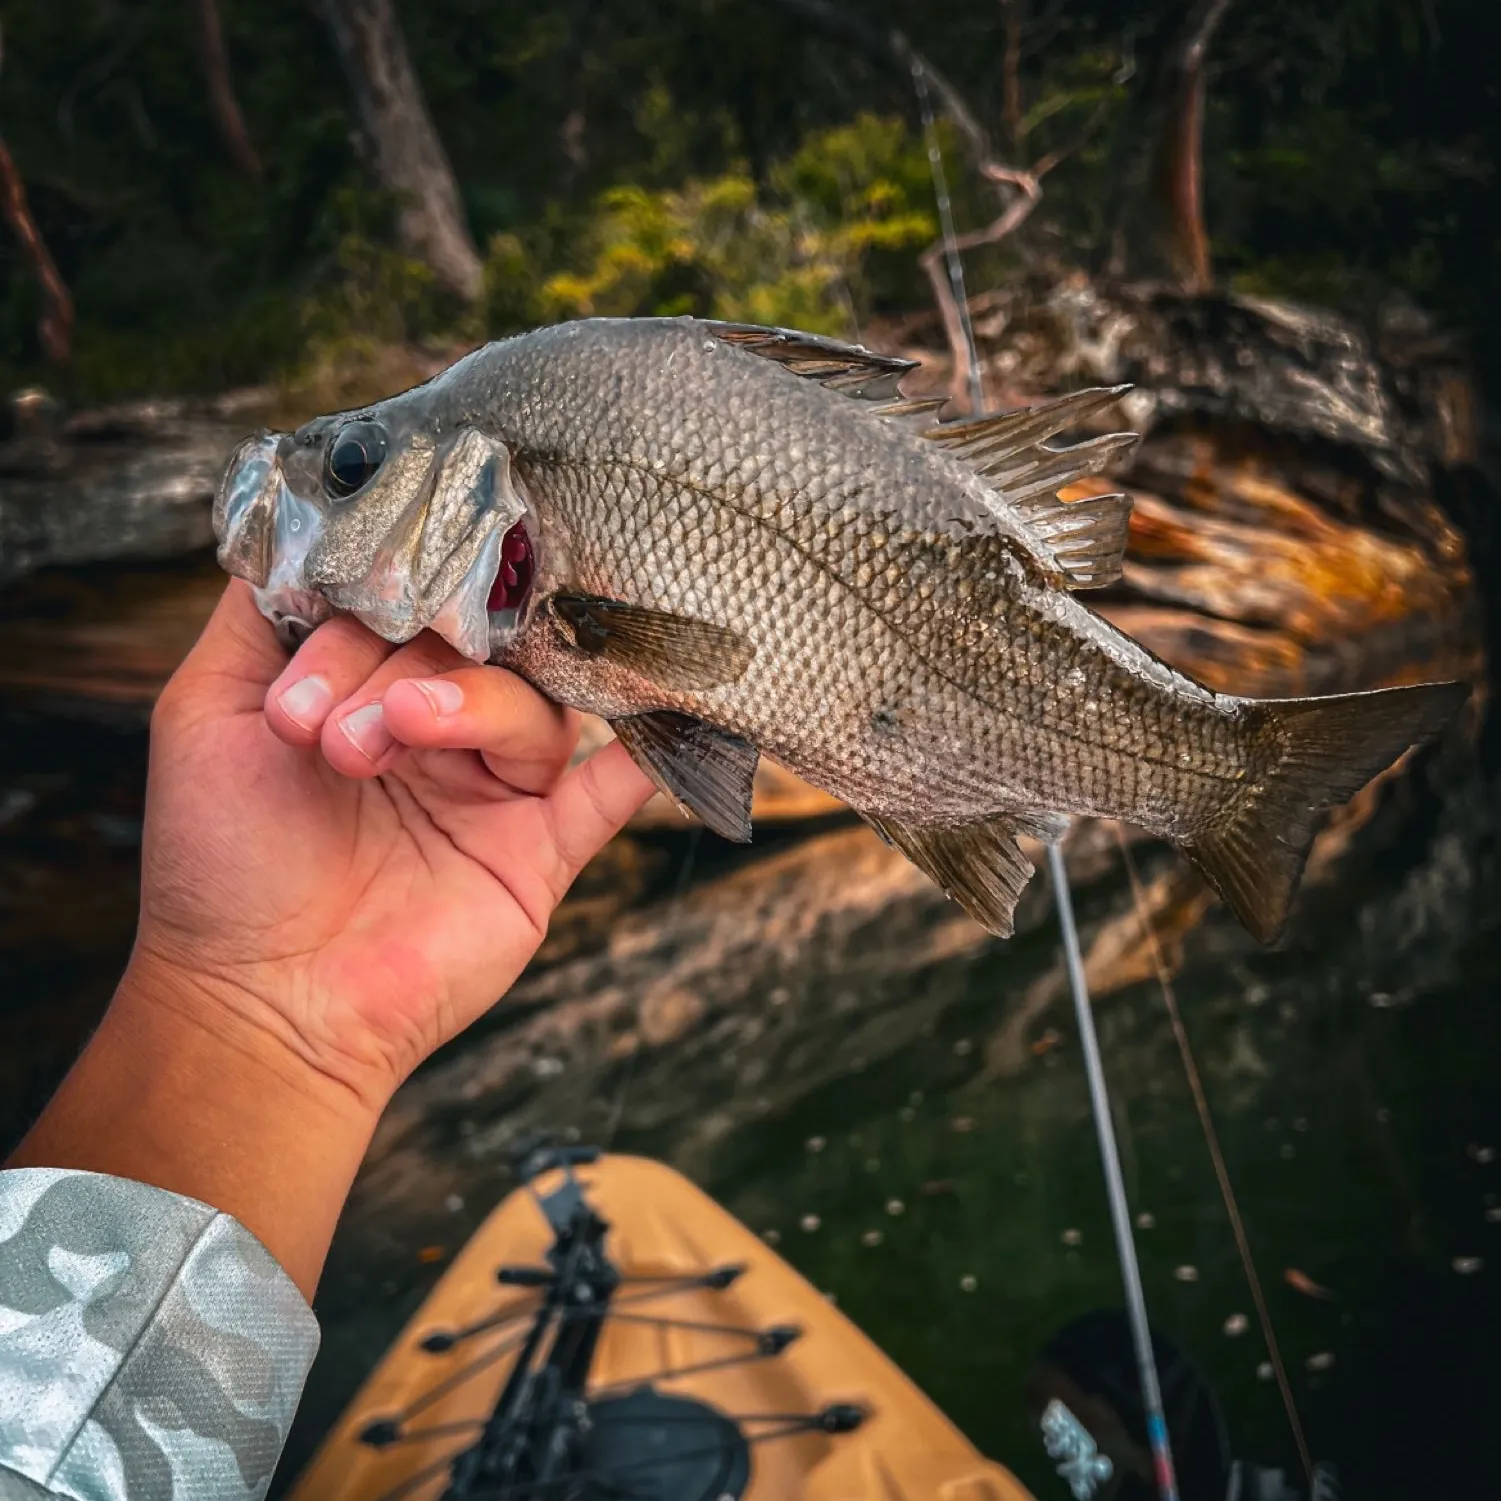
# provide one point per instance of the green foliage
(829, 234)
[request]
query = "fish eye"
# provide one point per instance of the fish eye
(357, 451)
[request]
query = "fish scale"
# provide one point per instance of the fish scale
(745, 542)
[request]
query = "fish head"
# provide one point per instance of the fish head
(383, 514)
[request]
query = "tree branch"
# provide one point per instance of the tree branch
(214, 56)
(55, 326)
(1011, 74)
(408, 155)
(1180, 165)
(1024, 183)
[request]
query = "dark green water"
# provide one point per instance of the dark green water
(1359, 1135)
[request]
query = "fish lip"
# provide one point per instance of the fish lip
(244, 507)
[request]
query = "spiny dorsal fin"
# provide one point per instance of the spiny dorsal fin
(669, 650)
(978, 864)
(698, 768)
(848, 368)
(1041, 472)
(916, 413)
(975, 437)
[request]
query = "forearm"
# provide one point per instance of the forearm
(179, 1090)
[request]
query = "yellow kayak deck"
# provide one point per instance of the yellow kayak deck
(661, 1226)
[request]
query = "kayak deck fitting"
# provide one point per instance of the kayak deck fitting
(632, 1341)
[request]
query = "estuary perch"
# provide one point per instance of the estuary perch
(730, 541)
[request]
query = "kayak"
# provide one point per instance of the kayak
(610, 1332)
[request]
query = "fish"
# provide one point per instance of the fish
(732, 541)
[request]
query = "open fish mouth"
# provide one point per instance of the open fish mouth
(459, 557)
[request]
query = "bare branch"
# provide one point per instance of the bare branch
(1021, 186)
(1027, 197)
(221, 93)
(56, 324)
(1028, 185)
(1011, 75)
(1180, 165)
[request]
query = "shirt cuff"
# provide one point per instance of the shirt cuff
(150, 1346)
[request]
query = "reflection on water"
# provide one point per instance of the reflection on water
(898, 1103)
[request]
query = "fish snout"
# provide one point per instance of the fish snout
(264, 533)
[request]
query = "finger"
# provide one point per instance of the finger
(525, 739)
(334, 662)
(355, 740)
(236, 654)
(590, 806)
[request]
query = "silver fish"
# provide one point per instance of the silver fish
(729, 541)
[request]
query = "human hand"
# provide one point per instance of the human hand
(359, 850)
(344, 864)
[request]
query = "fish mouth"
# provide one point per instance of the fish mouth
(461, 559)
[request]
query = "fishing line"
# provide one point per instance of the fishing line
(950, 238)
(1120, 1214)
(1221, 1172)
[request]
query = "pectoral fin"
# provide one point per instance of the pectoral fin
(672, 651)
(979, 864)
(700, 769)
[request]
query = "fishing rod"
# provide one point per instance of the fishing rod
(1099, 1096)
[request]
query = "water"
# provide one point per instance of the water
(921, 1105)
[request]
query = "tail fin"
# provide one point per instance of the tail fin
(1326, 750)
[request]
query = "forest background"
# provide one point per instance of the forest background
(207, 193)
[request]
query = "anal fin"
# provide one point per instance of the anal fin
(978, 864)
(701, 770)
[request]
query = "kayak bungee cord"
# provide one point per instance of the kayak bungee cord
(1120, 1214)
(550, 1434)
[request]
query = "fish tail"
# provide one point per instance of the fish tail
(1322, 751)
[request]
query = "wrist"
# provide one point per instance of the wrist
(187, 1086)
(274, 1012)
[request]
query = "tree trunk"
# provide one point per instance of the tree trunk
(409, 158)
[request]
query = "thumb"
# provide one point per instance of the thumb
(237, 656)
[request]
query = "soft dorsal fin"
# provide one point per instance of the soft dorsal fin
(847, 368)
(1085, 541)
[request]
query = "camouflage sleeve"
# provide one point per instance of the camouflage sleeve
(150, 1347)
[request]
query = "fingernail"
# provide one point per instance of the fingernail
(365, 729)
(307, 702)
(445, 697)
